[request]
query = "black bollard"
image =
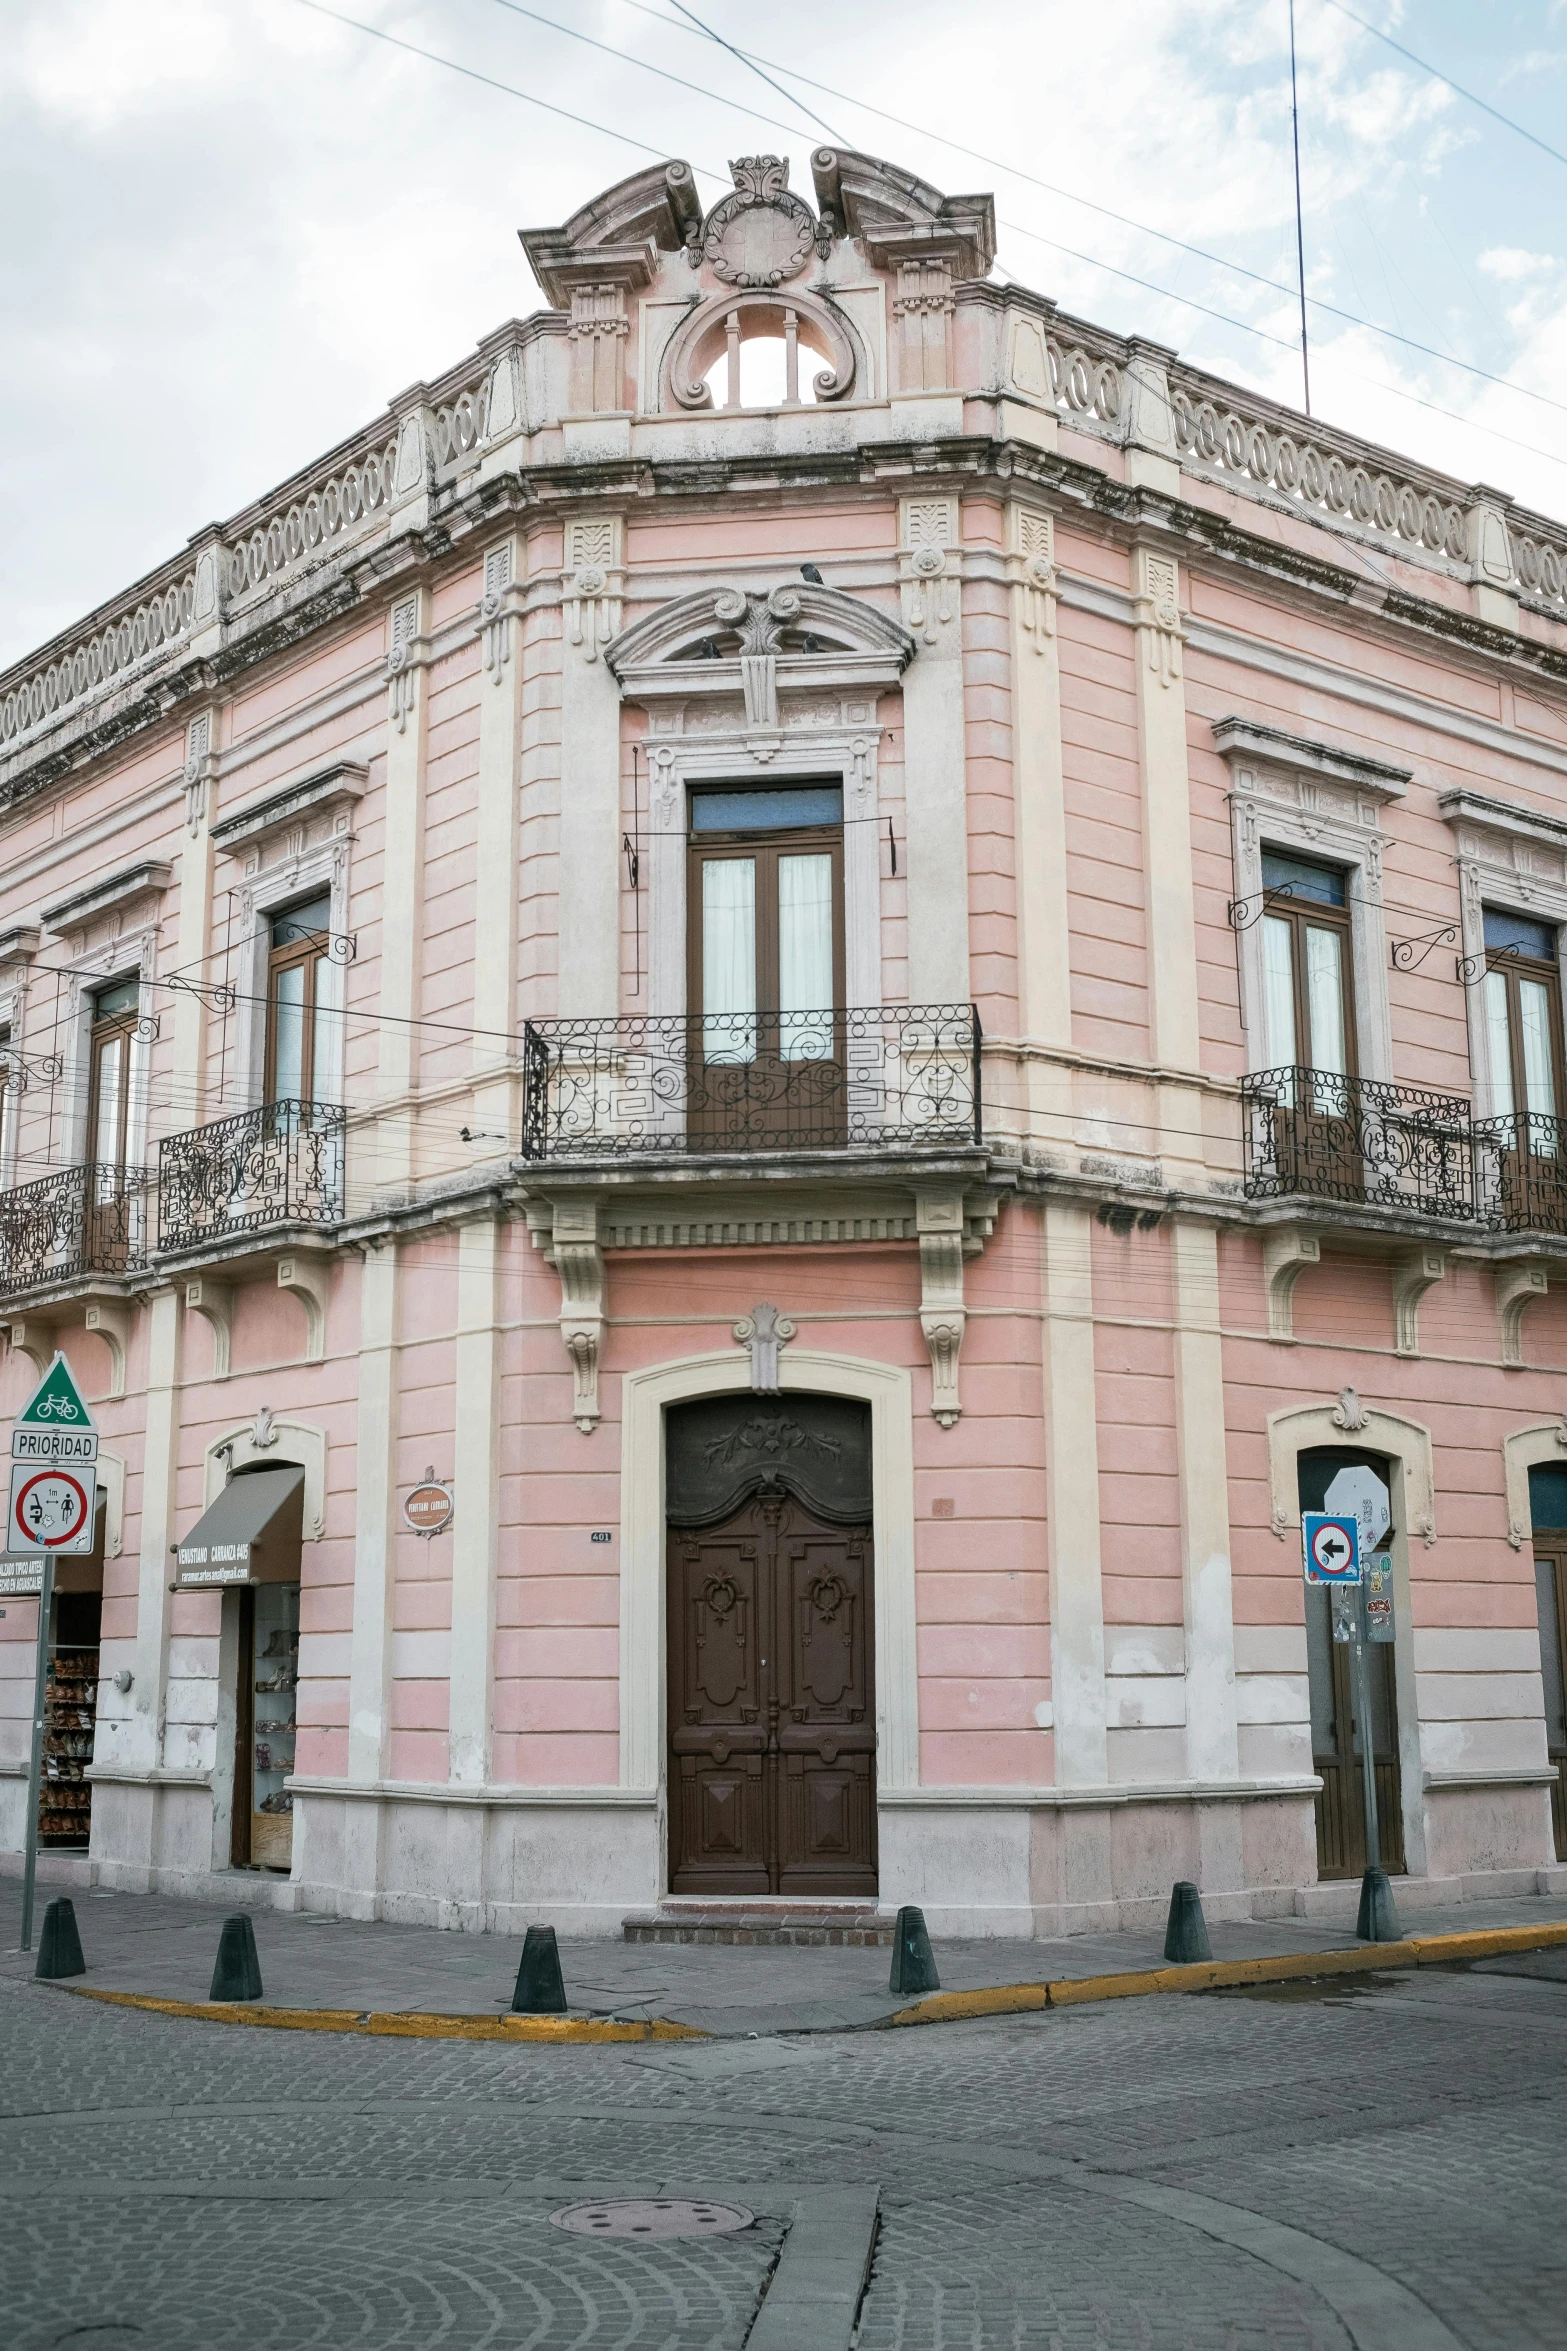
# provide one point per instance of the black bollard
(913, 1961)
(1378, 1920)
(237, 1975)
(59, 1945)
(1186, 1936)
(540, 1989)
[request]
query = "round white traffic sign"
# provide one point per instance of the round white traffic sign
(51, 1508)
(1332, 1553)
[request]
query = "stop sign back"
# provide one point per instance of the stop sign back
(1332, 1548)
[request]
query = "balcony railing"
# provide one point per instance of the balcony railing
(281, 1164)
(903, 1078)
(1520, 1172)
(1314, 1134)
(85, 1220)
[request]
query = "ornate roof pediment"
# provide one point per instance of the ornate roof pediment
(696, 644)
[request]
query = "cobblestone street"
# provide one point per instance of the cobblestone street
(1381, 2164)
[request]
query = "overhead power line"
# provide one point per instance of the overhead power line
(1106, 212)
(1437, 75)
(837, 136)
(1090, 260)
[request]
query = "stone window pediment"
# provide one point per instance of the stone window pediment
(757, 645)
(315, 806)
(149, 878)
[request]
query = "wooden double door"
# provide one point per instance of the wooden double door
(772, 1713)
(1335, 1741)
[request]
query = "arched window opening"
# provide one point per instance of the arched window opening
(765, 356)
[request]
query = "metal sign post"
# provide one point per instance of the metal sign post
(1368, 1761)
(53, 1500)
(35, 1768)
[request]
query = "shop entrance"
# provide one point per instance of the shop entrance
(71, 1698)
(1335, 1731)
(248, 1542)
(770, 1596)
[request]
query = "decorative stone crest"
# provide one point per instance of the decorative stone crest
(1349, 1413)
(762, 234)
(764, 1330)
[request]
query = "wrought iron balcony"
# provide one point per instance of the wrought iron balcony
(902, 1078)
(1521, 1172)
(85, 1220)
(278, 1165)
(1311, 1133)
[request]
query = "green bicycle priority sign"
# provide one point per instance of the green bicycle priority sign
(54, 1470)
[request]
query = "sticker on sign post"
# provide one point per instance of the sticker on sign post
(1332, 1548)
(1379, 1597)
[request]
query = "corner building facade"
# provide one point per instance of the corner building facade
(886, 1023)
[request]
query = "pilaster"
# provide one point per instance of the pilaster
(1495, 587)
(1077, 1625)
(1173, 1020)
(1212, 1736)
(496, 912)
(370, 1650)
(930, 565)
(590, 814)
(402, 884)
(476, 1527)
(194, 942)
(1043, 919)
(1152, 459)
(160, 1462)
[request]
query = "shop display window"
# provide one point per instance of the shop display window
(70, 1722)
(267, 1714)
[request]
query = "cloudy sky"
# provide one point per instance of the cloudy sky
(238, 226)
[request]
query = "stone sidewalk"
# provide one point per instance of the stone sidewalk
(155, 1945)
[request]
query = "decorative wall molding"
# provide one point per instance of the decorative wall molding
(308, 1277)
(930, 564)
(939, 1215)
(1156, 605)
(285, 1441)
(569, 1241)
(762, 1332)
(1518, 1285)
(1031, 568)
(1542, 1443)
(214, 1302)
(593, 581)
(1413, 1275)
(1287, 1250)
(1310, 800)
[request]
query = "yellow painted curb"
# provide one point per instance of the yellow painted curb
(407, 2025)
(1218, 1974)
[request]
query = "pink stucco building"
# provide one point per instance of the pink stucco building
(884, 971)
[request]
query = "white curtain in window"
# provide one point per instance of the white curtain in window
(729, 959)
(805, 958)
(1534, 1009)
(288, 1013)
(1278, 1001)
(1325, 997)
(111, 1076)
(1498, 1031)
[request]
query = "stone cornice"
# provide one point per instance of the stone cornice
(357, 580)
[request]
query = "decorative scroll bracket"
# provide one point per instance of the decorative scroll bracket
(306, 1279)
(575, 1253)
(764, 1330)
(939, 1223)
(214, 1302)
(111, 1322)
(1413, 1275)
(1285, 1257)
(1517, 1287)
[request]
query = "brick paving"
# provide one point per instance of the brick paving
(177, 2185)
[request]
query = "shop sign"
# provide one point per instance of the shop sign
(21, 1579)
(429, 1509)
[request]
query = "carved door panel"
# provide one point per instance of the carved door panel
(772, 1767)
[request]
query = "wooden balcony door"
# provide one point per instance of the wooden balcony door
(1550, 1579)
(765, 1055)
(772, 1713)
(299, 1017)
(1309, 1022)
(1523, 1020)
(116, 1015)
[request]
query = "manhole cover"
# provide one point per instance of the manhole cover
(652, 2218)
